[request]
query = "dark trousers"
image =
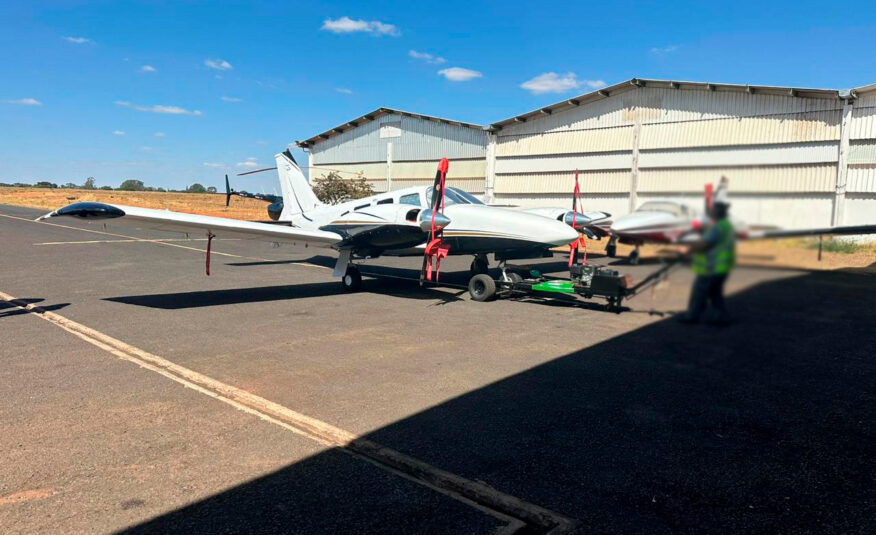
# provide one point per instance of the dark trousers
(706, 289)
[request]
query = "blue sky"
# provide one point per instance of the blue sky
(179, 92)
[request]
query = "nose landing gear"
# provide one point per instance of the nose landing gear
(634, 256)
(479, 265)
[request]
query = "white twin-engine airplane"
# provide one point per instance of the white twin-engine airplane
(405, 222)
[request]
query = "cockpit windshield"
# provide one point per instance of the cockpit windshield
(663, 206)
(453, 196)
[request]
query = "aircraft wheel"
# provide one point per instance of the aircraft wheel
(352, 279)
(479, 265)
(482, 287)
(515, 277)
(634, 257)
(611, 250)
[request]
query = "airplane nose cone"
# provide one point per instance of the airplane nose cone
(425, 218)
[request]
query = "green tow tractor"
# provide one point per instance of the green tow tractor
(585, 281)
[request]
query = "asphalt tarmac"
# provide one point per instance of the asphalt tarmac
(142, 396)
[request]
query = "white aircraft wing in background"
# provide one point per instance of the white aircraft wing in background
(796, 233)
(203, 225)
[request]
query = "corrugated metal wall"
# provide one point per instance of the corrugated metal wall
(766, 144)
(780, 152)
(466, 174)
(416, 150)
(420, 140)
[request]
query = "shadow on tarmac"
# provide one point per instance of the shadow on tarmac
(765, 426)
(208, 298)
(7, 309)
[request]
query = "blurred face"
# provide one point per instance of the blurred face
(718, 211)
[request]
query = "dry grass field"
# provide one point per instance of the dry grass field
(193, 203)
(796, 253)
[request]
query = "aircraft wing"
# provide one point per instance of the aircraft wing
(794, 233)
(200, 225)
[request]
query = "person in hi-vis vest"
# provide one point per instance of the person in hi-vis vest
(713, 259)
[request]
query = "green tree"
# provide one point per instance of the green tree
(70, 185)
(89, 183)
(333, 189)
(211, 189)
(196, 188)
(45, 184)
(106, 188)
(132, 185)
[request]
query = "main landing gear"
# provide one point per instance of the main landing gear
(634, 256)
(479, 265)
(352, 279)
(611, 248)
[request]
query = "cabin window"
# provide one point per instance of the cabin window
(385, 201)
(362, 206)
(411, 198)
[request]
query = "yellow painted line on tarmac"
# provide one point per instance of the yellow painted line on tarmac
(148, 240)
(479, 495)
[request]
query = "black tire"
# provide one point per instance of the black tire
(481, 287)
(611, 250)
(352, 279)
(634, 258)
(479, 266)
(515, 277)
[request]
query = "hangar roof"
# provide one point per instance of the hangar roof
(642, 82)
(373, 116)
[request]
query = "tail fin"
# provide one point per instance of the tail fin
(298, 198)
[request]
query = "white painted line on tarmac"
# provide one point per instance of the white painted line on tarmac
(480, 495)
(132, 240)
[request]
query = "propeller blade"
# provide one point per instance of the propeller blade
(708, 198)
(227, 192)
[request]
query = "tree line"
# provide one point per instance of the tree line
(126, 185)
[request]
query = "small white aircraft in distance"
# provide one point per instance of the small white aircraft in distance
(405, 222)
(672, 222)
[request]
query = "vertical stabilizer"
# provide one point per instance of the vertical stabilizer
(298, 198)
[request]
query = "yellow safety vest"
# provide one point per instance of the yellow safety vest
(721, 258)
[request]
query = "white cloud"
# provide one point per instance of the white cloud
(458, 74)
(663, 50)
(249, 162)
(348, 25)
(425, 56)
(148, 68)
(218, 64)
(344, 90)
(158, 134)
(118, 132)
(78, 40)
(25, 102)
(231, 99)
(158, 108)
(261, 142)
(595, 84)
(212, 164)
(551, 82)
